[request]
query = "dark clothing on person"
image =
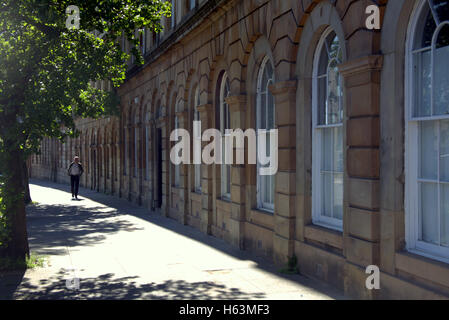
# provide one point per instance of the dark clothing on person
(75, 171)
(75, 184)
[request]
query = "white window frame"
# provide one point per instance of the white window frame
(261, 205)
(197, 167)
(412, 180)
(225, 184)
(317, 141)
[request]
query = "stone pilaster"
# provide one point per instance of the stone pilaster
(237, 107)
(361, 205)
(206, 117)
(285, 184)
(183, 182)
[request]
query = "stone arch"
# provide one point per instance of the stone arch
(261, 49)
(322, 16)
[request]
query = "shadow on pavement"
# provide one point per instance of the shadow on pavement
(56, 226)
(106, 287)
(8, 284)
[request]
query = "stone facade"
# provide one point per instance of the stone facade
(129, 157)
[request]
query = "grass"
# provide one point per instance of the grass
(31, 262)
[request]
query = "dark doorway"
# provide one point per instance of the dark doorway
(158, 187)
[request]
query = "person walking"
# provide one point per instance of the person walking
(75, 171)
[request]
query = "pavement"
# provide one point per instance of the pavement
(103, 247)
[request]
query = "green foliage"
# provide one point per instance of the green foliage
(46, 70)
(31, 262)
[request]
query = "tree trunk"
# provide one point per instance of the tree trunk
(17, 244)
(26, 185)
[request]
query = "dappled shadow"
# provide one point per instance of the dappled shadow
(53, 227)
(9, 281)
(107, 287)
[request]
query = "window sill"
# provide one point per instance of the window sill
(323, 234)
(415, 263)
(264, 211)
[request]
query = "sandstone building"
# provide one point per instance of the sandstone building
(363, 136)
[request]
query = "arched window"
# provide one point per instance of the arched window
(327, 135)
(196, 117)
(427, 150)
(265, 115)
(225, 124)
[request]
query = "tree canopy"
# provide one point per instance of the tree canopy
(46, 72)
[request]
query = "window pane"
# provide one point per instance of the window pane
(326, 194)
(422, 84)
(427, 33)
(263, 111)
(444, 150)
(338, 196)
(442, 9)
(429, 150)
(443, 37)
(334, 46)
(338, 149)
(322, 101)
(267, 191)
(265, 78)
(326, 153)
(270, 111)
(444, 215)
(324, 61)
(333, 94)
(429, 213)
(441, 73)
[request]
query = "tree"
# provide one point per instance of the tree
(46, 71)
